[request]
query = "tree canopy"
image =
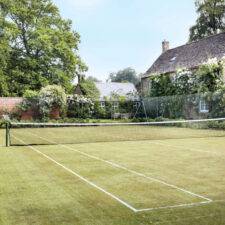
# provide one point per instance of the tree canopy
(89, 89)
(38, 47)
(125, 75)
(94, 79)
(211, 19)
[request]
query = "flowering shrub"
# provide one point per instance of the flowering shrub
(207, 78)
(80, 106)
(51, 97)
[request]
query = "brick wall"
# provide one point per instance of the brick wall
(9, 104)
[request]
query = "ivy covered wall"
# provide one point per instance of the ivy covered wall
(208, 77)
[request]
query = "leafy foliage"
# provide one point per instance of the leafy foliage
(89, 89)
(41, 47)
(30, 100)
(211, 19)
(126, 75)
(80, 107)
(51, 97)
(94, 79)
(208, 78)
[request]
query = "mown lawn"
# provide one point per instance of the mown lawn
(36, 190)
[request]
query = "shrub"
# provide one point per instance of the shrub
(30, 100)
(52, 97)
(80, 107)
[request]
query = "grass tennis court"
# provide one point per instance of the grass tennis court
(160, 181)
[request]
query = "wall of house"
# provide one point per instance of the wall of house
(145, 86)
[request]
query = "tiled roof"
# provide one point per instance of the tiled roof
(189, 56)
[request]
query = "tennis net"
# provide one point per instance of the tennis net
(52, 134)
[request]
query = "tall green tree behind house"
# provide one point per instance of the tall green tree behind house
(89, 89)
(211, 19)
(43, 46)
(125, 75)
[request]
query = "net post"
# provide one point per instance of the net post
(7, 134)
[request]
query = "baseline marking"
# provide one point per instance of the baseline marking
(174, 206)
(131, 171)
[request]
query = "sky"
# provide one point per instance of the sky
(116, 34)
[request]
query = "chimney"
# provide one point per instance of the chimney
(165, 46)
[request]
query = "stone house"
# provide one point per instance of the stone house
(112, 91)
(109, 89)
(189, 56)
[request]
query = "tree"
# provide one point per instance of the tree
(126, 75)
(43, 47)
(4, 53)
(94, 79)
(89, 89)
(211, 19)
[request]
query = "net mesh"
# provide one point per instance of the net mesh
(52, 134)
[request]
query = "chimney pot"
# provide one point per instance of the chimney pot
(165, 46)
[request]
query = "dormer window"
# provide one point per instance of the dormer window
(173, 59)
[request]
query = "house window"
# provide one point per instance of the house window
(136, 105)
(115, 105)
(203, 106)
(102, 104)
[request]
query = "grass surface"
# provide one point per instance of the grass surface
(87, 134)
(35, 190)
(2, 137)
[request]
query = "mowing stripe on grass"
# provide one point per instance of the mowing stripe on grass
(185, 148)
(131, 171)
(79, 176)
(108, 193)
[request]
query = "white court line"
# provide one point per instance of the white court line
(79, 176)
(175, 206)
(131, 171)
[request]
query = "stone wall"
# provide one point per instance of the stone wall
(145, 86)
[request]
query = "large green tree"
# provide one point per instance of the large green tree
(125, 75)
(42, 47)
(211, 19)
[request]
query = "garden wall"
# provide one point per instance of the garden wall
(9, 104)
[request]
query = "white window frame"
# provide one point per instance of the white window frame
(102, 104)
(203, 106)
(115, 105)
